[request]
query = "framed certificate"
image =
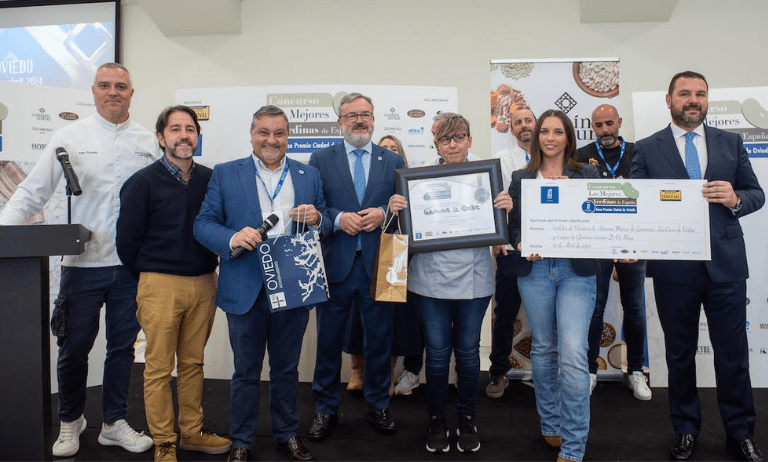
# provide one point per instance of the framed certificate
(450, 206)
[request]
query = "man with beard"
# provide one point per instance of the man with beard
(507, 297)
(105, 149)
(177, 282)
(358, 180)
(689, 149)
(612, 156)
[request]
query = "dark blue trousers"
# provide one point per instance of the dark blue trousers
(332, 320)
(725, 306)
(505, 310)
(250, 334)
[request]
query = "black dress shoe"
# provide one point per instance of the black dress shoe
(682, 447)
(295, 449)
(238, 455)
(745, 450)
(381, 421)
(322, 425)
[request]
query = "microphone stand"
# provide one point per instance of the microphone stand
(69, 204)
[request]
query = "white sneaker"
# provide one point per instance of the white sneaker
(638, 383)
(68, 442)
(121, 434)
(406, 383)
(592, 383)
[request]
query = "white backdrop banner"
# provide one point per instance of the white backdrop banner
(576, 87)
(403, 111)
(741, 111)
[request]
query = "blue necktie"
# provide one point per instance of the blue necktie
(359, 175)
(692, 157)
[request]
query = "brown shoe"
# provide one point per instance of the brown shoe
(165, 452)
(553, 441)
(206, 441)
(295, 449)
(356, 374)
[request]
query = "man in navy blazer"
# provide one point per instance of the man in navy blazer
(732, 190)
(351, 169)
(240, 195)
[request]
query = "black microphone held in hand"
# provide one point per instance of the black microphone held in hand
(268, 224)
(69, 173)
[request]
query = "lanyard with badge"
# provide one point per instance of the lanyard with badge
(612, 170)
(277, 191)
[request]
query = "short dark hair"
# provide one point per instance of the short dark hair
(269, 111)
(687, 75)
(348, 98)
(162, 119)
(534, 165)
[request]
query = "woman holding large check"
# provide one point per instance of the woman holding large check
(559, 298)
(453, 288)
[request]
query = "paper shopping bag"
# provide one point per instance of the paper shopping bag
(293, 270)
(390, 273)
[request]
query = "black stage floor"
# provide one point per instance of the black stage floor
(622, 427)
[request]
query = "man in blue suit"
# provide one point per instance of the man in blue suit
(686, 149)
(358, 180)
(240, 195)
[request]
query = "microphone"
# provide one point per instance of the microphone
(69, 172)
(270, 222)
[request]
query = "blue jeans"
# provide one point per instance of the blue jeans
(250, 335)
(86, 290)
(559, 305)
(632, 294)
(452, 326)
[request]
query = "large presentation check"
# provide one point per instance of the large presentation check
(594, 218)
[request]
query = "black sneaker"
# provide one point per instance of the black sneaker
(437, 434)
(469, 437)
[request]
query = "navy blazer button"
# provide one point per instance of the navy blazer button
(301, 172)
(379, 157)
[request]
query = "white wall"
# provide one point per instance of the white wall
(431, 42)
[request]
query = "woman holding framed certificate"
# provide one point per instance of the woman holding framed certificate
(452, 288)
(559, 296)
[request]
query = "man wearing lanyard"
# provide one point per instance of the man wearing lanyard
(613, 158)
(241, 194)
(358, 180)
(507, 298)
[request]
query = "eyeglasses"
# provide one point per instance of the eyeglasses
(446, 140)
(352, 117)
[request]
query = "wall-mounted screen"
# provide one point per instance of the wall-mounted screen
(57, 43)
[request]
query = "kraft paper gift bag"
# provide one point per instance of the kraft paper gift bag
(390, 272)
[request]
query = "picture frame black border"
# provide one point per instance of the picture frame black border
(35, 3)
(491, 166)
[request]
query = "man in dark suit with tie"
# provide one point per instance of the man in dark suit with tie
(358, 180)
(241, 194)
(684, 150)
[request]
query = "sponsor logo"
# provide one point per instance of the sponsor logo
(38, 146)
(764, 325)
(42, 129)
(565, 102)
(550, 195)
(416, 113)
(763, 351)
(203, 112)
(747, 326)
(702, 326)
(392, 115)
(435, 100)
(392, 129)
(416, 131)
(68, 116)
(40, 115)
(670, 195)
